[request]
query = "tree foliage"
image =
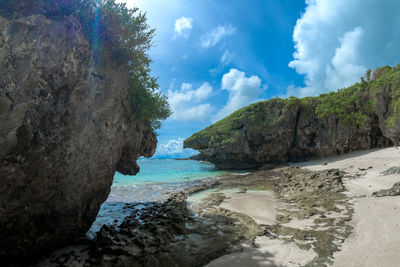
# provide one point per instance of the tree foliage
(113, 26)
(368, 75)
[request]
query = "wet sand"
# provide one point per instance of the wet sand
(261, 206)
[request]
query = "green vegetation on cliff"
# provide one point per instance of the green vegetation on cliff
(111, 26)
(262, 114)
(353, 106)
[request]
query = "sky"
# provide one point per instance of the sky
(214, 57)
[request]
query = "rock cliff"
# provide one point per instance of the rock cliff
(363, 116)
(66, 126)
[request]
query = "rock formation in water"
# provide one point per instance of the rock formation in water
(363, 116)
(66, 126)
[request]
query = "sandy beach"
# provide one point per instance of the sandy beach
(374, 224)
(376, 237)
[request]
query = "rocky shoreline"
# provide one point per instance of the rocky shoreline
(301, 215)
(187, 232)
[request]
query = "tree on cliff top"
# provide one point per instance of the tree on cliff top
(109, 25)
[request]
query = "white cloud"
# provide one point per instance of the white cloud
(183, 26)
(242, 91)
(226, 58)
(344, 64)
(196, 113)
(336, 41)
(215, 36)
(183, 102)
(173, 148)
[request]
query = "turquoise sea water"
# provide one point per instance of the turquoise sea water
(159, 177)
(167, 171)
(155, 181)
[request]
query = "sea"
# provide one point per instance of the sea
(155, 181)
(158, 177)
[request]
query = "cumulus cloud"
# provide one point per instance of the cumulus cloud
(336, 41)
(346, 65)
(186, 102)
(183, 26)
(242, 91)
(173, 148)
(195, 113)
(215, 36)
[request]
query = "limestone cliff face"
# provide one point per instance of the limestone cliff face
(65, 127)
(364, 116)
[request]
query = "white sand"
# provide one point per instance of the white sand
(259, 205)
(376, 236)
(262, 207)
(269, 252)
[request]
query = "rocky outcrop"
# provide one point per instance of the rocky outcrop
(364, 116)
(394, 191)
(65, 127)
(391, 171)
(175, 232)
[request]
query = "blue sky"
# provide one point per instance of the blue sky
(213, 57)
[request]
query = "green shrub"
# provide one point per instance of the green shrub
(351, 104)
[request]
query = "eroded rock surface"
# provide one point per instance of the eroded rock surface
(394, 191)
(165, 233)
(65, 127)
(392, 171)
